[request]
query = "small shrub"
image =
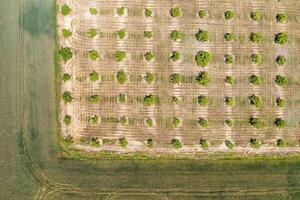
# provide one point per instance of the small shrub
(281, 17)
(122, 98)
(228, 37)
(149, 56)
(94, 119)
(176, 35)
(121, 77)
(280, 123)
(230, 80)
(254, 143)
(67, 120)
(281, 38)
(94, 54)
(282, 81)
(280, 143)
(202, 78)
(148, 34)
(121, 34)
(149, 77)
(202, 14)
(256, 37)
(176, 121)
(150, 100)
(67, 97)
(123, 142)
(66, 77)
(228, 59)
(69, 140)
(123, 120)
(92, 33)
(280, 102)
(229, 14)
(175, 100)
(256, 15)
(95, 142)
(93, 11)
(256, 101)
(175, 12)
(202, 122)
(230, 101)
(175, 78)
(176, 143)
(255, 80)
(150, 142)
(148, 12)
(94, 99)
(204, 143)
(229, 144)
(256, 59)
(121, 11)
(94, 76)
(203, 100)
(65, 53)
(66, 33)
(280, 60)
(202, 36)
(175, 56)
(203, 58)
(256, 123)
(120, 56)
(229, 122)
(65, 10)
(149, 122)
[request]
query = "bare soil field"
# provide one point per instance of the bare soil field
(165, 112)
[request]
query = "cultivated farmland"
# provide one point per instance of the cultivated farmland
(180, 76)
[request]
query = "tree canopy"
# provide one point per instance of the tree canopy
(65, 53)
(202, 78)
(175, 12)
(202, 36)
(203, 58)
(175, 78)
(121, 77)
(93, 54)
(281, 38)
(120, 56)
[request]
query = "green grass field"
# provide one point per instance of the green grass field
(30, 164)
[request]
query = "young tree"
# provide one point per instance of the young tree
(256, 37)
(256, 101)
(256, 59)
(122, 98)
(149, 122)
(255, 80)
(203, 58)
(280, 143)
(202, 122)
(65, 10)
(149, 78)
(94, 99)
(175, 12)
(229, 144)
(230, 101)
(230, 80)
(92, 33)
(280, 123)
(149, 55)
(120, 56)
(66, 33)
(255, 143)
(175, 100)
(176, 35)
(229, 122)
(281, 38)
(176, 121)
(202, 14)
(204, 143)
(121, 77)
(150, 100)
(280, 60)
(66, 77)
(281, 17)
(202, 36)
(123, 120)
(148, 12)
(94, 119)
(121, 11)
(67, 97)
(280, 102)
(176, 143)
(175, 78)
(148, 34)
(69, 140)
(256, 123)
(93, 11)
(123, 142)
(228, 59)
(121, 34)
(65, 53)
(203, 100)
(282, 81)
(175, 56)
(150, 142)
(202, 78)
(67, 120)
(229, 14)
(256, 16)
(95, 142)
(229, 37)
(93, 54)
(94, 76)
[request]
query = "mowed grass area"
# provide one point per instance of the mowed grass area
(192, 76)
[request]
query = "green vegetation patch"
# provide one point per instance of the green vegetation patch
(229, 37)
(66, 77)
(202, 36)
(121, 77)
(177, 122)
(93, 11)
(148, 12)
(150, 100)
(67, 97)
(256, 59)
(256, 101)
(202, 78)
(281, 18)
(121, 34)
(67, 120)
(202, 122)
(280, 123)
(255, 143)
(228, 59)
(175, 78)
(204, 143)
(230, 101)
(230, 80)
(120, 56)
(65, 53)
(92, 33)
(149, 78)
(281, 38)
(176, 143)
(255, 79)
(281, 60)
(256, 16)
(229, 14)
(256, 122)
(175, 56)
(175, 12)
(149, 55)
(256, 37)
(203, 58)
(66, 33)
(65, 10)
(176, 35)
(282, 81)
(203, 100)
(94, 76)
(94, 54)
(121, 11)
(94, 99)
(148, 34)
(202, 14)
